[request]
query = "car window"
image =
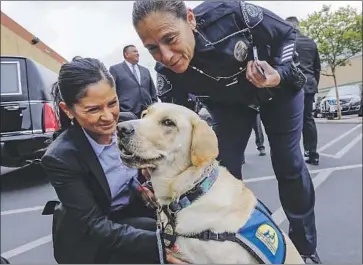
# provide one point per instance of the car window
(47, 76)
(41, 80)
(345, 91)
(10, 78)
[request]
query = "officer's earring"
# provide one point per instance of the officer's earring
(194, 29)
(193, 26)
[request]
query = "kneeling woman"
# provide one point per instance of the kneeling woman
(100, 218)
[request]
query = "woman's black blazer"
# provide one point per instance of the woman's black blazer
(81, 228)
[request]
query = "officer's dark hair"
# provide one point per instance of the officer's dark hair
(73, 81)
(142, 9)
(126, 47)
(293, 21)
(76, 58)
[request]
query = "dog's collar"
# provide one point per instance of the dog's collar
(210, 175)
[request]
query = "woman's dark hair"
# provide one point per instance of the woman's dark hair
(142, 9)
(73, 80)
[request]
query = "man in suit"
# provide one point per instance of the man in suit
(134, 85)
(310, 66)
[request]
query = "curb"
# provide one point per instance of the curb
(347, 121)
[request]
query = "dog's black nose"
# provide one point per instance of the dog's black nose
(125, 129)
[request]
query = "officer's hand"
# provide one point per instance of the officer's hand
(271, 78)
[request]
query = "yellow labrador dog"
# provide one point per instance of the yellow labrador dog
(180, 150)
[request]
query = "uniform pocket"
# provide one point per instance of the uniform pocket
(230, 46)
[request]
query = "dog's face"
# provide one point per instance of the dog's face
(167, 135)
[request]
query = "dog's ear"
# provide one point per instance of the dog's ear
(143, 113)
(204, 143)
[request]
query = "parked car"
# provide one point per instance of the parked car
(27, 118)
(349, 97)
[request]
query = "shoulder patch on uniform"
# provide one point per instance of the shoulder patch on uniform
(163, 84)
(160, 80)
(252, 14)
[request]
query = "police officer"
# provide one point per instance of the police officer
(240, 56)
(310, 66)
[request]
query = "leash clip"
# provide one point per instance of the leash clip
(176, 203)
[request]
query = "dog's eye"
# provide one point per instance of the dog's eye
(167, 122)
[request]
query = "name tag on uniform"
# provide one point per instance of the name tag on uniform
(234, 81)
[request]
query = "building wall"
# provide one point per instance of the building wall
(16, 41)
(351, 73)
(12, 44)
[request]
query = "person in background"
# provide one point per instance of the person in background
(134, 85)
(310, 65)
(259, 138)
(101, 218)
(241, 56)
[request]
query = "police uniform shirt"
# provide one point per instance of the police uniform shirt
(226, 33)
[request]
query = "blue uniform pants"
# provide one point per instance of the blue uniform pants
(283, 121)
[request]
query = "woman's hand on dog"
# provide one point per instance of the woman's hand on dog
(145, 173)
(151, 201)
(173, 260)
(148, 197)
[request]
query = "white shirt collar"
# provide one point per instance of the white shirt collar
(130, 65)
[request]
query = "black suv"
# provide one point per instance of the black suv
(27, 119)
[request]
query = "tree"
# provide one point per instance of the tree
(338, 35)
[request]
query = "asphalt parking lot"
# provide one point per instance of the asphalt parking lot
(25, 233)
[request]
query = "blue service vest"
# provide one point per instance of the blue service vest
(260, 236)
(263, 237)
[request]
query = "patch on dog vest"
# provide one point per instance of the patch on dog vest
(263, 236)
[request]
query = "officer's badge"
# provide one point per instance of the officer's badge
(240, 51)
(252, 14)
